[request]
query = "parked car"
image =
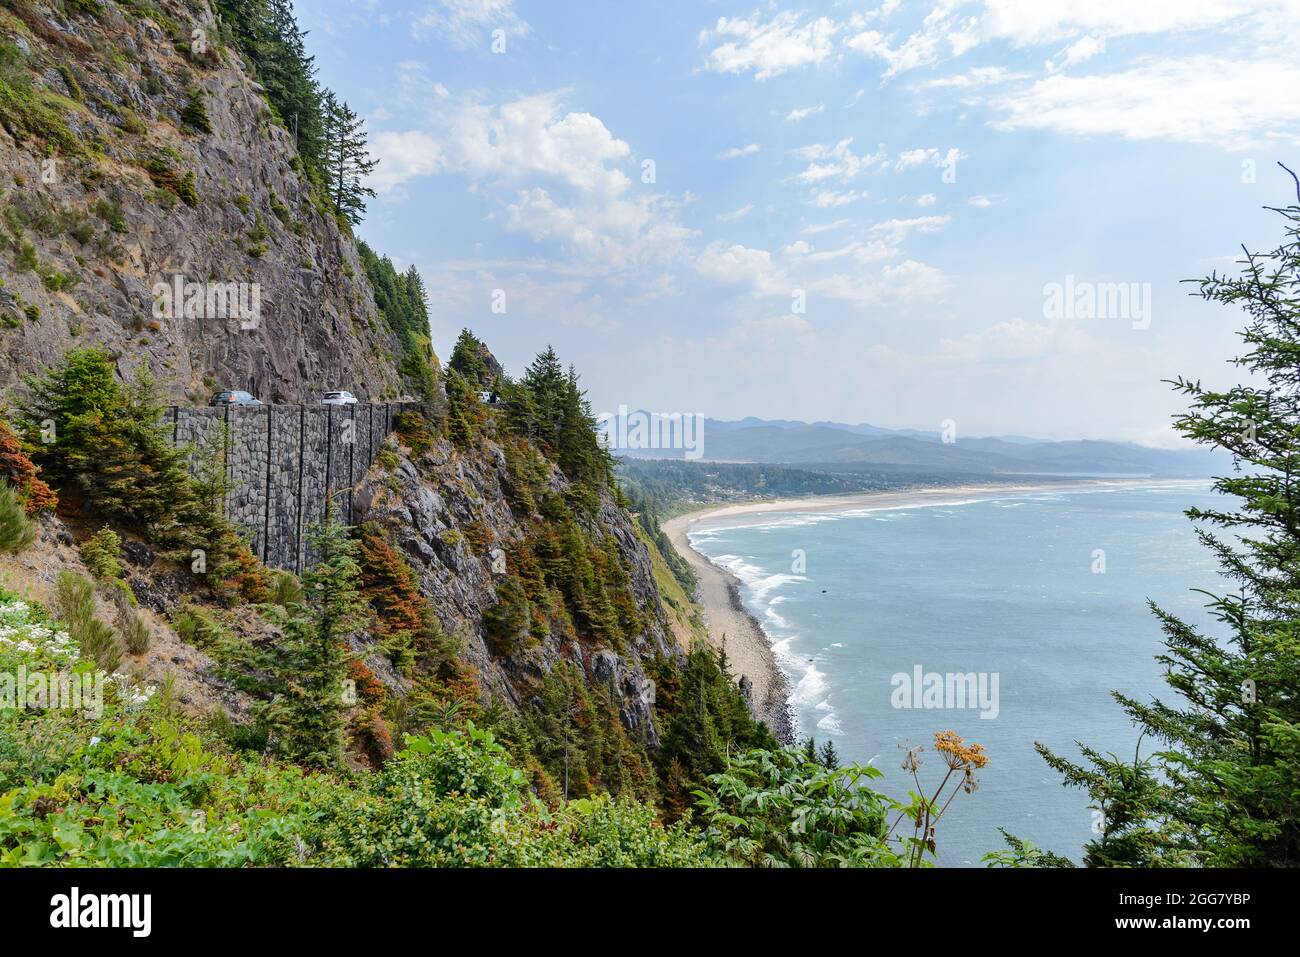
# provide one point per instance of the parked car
(234, 397)
(342, 397)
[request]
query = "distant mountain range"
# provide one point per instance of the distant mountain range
(835, 446)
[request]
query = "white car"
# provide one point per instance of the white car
(339, 398)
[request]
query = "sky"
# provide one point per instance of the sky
(902, 213)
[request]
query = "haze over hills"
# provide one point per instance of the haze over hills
(833, 446)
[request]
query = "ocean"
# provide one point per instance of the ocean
(1041, 595)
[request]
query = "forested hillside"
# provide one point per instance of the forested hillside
(480, 668)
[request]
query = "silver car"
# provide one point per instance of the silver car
(341, 397)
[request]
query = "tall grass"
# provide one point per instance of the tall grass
(17, 531)
(74, 601)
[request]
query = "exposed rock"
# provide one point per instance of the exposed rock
(318, 327)
(137, 553)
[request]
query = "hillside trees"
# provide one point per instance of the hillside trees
(267, 35)
(1224, 790)
(403, 303)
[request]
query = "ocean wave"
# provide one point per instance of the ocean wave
(830, 724)
(811, 687)
(758, 581)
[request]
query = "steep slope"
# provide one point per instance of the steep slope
(133, 150)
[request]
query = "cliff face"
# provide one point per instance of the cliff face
(113, 184)
(138, 161)
(425, 503)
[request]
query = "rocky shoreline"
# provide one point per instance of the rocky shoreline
(732, 628)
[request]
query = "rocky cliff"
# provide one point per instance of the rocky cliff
(427, 502)
(135, 149)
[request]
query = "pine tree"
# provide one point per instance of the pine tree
(309, 665)
(347, 161)
(830, 758)
(544, 379)
(1222, 789)
(467, 360)
(104, 441)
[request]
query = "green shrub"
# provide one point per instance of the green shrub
(167, 179)
(286, 589)
(17, 531)
(196, 626)
(194, 116)
(102, 554)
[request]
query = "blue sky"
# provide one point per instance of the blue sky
(844, 211)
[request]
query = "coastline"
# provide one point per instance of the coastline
(733, 628)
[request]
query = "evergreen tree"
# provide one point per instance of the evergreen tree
(104, 441)
(1223, 790)
(347, 161)
(545, 382)
(467, 360)
(829, 758)
(266, 33)
(307, 668)
(703, 719)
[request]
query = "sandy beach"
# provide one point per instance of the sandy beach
(732, 627)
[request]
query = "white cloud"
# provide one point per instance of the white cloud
(1232, 104)
(893, 232)
(780, 333)
(768, 49)
(561, 168)
(980, 76)
(929, 199)
(533, 136)
(628, 233)
(740, 265)
(834, 162)
(403, 156)
(1080, 51)
(825, 227)
(917, 50)
(1049, 21)
(954, 27)
(980, 201)
(796, 116)
(829, 198)
(737, 214)
(1017, 339)
(738, 151)
(468, 23)
(910, 158)
(908, 281)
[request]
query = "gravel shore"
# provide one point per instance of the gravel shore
(734, 629)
